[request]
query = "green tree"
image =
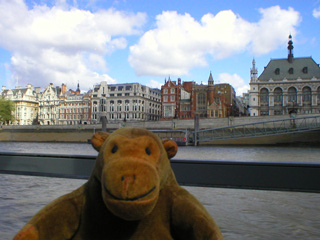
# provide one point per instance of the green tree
(6, 109)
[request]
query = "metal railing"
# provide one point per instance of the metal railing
(275, 127)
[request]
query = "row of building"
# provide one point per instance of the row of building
(59, 106)
(119, 102)
(286, 86)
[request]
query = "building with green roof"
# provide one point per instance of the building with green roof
(286, 86)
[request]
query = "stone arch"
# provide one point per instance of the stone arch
(292, 94)
(306, 96)
(278, 96)
(264, 97)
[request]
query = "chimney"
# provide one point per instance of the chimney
(63, 88)
(179, 81)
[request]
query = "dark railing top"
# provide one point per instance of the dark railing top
(301, 177)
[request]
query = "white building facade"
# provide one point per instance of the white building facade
(125, 102)
(49, 106)
(25, 103)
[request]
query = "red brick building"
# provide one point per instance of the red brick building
(187, 99)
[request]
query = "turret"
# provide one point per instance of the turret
(253, 72)
(210, 80)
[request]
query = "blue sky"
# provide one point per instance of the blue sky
(90, 41)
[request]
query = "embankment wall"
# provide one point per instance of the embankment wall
(81, 133)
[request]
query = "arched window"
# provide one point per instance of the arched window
(290, 71)
(305, 70)
(318, 95)
(306, 95)
(264, 97)
(278, 96)
(292, 94)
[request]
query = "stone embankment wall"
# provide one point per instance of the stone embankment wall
(81, 133)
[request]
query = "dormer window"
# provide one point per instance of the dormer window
(290, 71)
(277, 71)
(305, 70)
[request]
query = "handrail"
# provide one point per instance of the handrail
(268, 128)
(300, 177)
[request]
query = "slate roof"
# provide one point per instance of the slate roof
(278, 69)
(15, 91)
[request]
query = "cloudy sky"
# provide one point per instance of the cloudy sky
(124, 41)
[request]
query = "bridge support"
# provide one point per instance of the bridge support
(196, 129)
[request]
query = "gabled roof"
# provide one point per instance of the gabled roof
(15, 91)
(279, 69)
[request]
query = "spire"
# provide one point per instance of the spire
(290, 50)
(78, 88)
(253, 71)
(210, 80)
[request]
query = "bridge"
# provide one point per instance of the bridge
(260, 129)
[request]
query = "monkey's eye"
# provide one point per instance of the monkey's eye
(114, 149)
(148, 151)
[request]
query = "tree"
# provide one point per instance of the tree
(6, 109)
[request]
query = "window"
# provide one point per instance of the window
(277, 112)
(172, 90)
(277, 71)
(201, 101)
(290, 71)
(306, 96)
(278, 96)
(292, 94)
(172, 98)
(264, 97)
(305, 70)
(165, 91)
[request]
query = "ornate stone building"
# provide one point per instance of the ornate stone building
(286, 86)
(26, 104)
(125, 102)
(49, 105)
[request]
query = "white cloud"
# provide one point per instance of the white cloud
(316, 12)
(180, 43)
(154, 84)
(63, 44)
(235, 81)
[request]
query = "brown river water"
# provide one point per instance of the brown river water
(241, 214)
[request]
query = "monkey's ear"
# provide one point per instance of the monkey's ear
(171, 147)
(98, 139)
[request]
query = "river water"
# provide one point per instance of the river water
(241, 214)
